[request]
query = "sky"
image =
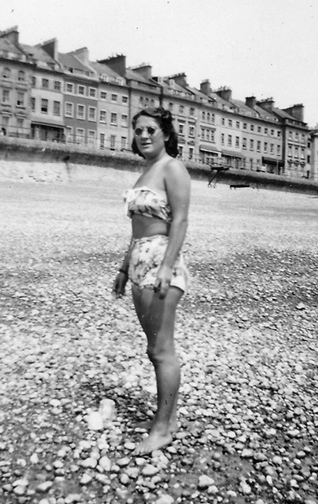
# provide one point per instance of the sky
(264, 48)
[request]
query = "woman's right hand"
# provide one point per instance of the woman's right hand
(120, 284)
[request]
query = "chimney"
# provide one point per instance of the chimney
(297, 111)
(267, 104)
(82, 54)
(250, 101)
(50, 47)
(12, 34)
(144, 70)
(116, 63)
(205, 87)
(180, 79)
(225, 93)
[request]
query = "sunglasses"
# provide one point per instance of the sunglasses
(150, 130)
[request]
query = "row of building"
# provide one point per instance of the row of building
(65, 97)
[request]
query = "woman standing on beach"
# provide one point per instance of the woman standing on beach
(158, 206)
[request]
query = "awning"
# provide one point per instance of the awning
(48, 124)
(232, 154)
(272, 161)
(208, 148)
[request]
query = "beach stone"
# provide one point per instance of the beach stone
(205, 481)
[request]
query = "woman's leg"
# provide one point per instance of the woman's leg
(157, 318)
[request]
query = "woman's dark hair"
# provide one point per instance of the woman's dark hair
(164, 118)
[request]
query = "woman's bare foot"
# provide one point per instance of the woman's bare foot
(147, 425)
(155, 441)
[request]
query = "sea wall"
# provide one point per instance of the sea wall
(25, 150)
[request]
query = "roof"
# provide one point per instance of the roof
(71, 62)
(102, 69)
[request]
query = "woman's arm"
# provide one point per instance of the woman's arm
(177, 182)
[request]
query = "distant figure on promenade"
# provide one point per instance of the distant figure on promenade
(158, 206)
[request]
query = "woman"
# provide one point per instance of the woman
(158, 206)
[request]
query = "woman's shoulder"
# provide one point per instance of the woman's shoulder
(174, 168)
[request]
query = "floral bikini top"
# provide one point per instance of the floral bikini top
(147, 202)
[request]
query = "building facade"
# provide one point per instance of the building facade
(65, 97)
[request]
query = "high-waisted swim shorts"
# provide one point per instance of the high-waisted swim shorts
(145, 260)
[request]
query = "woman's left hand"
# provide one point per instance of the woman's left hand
(163, 280)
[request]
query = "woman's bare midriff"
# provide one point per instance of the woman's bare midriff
(143, 226)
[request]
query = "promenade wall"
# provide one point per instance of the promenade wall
(25, 150)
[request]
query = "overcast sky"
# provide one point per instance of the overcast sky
(265, 48)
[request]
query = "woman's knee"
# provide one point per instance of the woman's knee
(159, 354)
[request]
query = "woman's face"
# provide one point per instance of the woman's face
(149, 137)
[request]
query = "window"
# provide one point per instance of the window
(102, 140)
(191, 131)
(259, 129)
(302, 153)
(229, 140)
(33, 81)
(20, 123)
(80, 111)
(258, 146)
(69, 88)
(237, 141)
(208, 117)
(80, 135)
(21, 76)
(69, 109)
(265, 131)
(272, 132)
(265, 146)
(278, 149)
(244, 143)
(112, 141)
(92, 92)
(252, 127)
(212, 118)
(20, 99)
(102, 116)
(181, 109)
(171, 107)
(245, 126)
(181, 129)
(81, 90)
(279, 134)
(222, 138)
(272, 149)
(191, 152)
(5, 96)
(113, 118)
(180, 147)
(69, 133)
(289, 151)
(296, 152)
(123, 142)
(45, 83)
(56, 108)
(124, 99)
(91, 137)
(103, 95)
(238, 124)
(191, 111)
(124, 120)
(297, 137)
(33, 104)
(114, 97)
(6, 73)
(92, 113)
(203, 116)
(223, 121)
(44, 106)
(57, 85)
(230, 122)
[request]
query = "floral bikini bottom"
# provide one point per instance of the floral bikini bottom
(146, 256)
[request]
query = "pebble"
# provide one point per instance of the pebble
(205, 481)
(149, 470)
(95, 421)
(105, 463)
(85, 479)
(123, 462)
(44, 487)
(165, 499)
